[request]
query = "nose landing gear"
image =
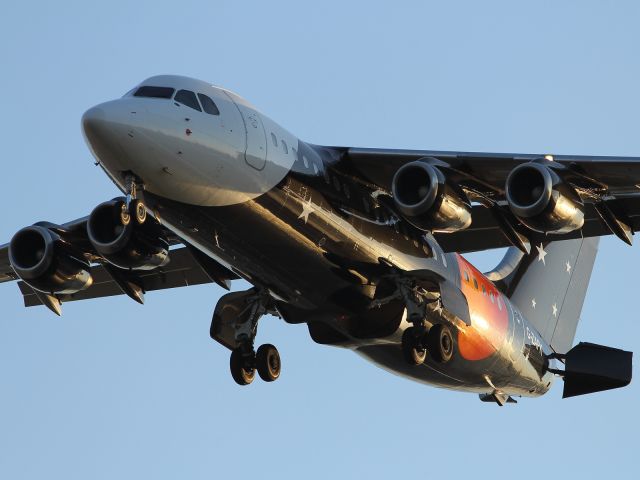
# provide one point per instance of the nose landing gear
(133, 206)
(235, 325)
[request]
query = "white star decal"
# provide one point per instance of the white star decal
(568, 265)
(307, 209)
(533, 302)
(541, 253)
(555, 310)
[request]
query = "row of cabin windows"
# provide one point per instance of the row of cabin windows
(185, 97)
(492, 297)
(285, 147)
(305, 160)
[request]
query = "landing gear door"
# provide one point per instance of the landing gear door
(256, 146)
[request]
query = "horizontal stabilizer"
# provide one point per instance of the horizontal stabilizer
(593, 368)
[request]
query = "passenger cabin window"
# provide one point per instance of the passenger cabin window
(208, 105)
(188, 98)
(154, 92)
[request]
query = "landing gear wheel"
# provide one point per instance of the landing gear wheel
(268, 362)
(439, 342)
(412, 349)
(139, 211)
(242, 370)
(125, 217)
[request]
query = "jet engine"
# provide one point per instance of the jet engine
(423, 195)
(123, 241)
(43, 260)
(542, 201)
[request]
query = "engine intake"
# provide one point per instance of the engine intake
(43, 260)
(132, 246)
(542, 201)
(423, 195)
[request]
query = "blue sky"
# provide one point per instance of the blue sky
(116, 390)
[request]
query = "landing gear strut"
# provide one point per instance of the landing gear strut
(235, 325)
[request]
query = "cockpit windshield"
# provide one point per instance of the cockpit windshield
(188, 98)
(154, 92)
(182, 97)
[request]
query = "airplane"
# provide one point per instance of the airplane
(363, 245)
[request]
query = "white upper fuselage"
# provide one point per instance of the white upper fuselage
(186, 154)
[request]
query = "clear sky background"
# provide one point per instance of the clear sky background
(117, 390)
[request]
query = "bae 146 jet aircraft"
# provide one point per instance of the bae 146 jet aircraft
(363, 245)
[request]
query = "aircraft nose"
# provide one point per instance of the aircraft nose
(104, 127)
(93, 120)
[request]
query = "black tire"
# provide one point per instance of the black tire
(440, 343)
(413, 351)
(241, 371)
(138, 211)
(268, 362)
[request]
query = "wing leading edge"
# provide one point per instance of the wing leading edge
(610, 187)
(186, 266)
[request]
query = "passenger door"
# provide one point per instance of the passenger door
(256, 146)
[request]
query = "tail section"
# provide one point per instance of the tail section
(549, 285)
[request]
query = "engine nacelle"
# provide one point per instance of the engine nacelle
(542, 201)
(132, 246)
(43, 260)
(422, 194)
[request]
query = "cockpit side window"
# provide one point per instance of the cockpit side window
(154, 92)
(188, 98)
(208, 105)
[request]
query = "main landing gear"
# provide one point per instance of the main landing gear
(437, 341)
(423, 337)
(235, 325)
(266, 361)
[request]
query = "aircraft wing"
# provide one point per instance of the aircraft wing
(6, 272)
(609, 186)
(187, 266)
